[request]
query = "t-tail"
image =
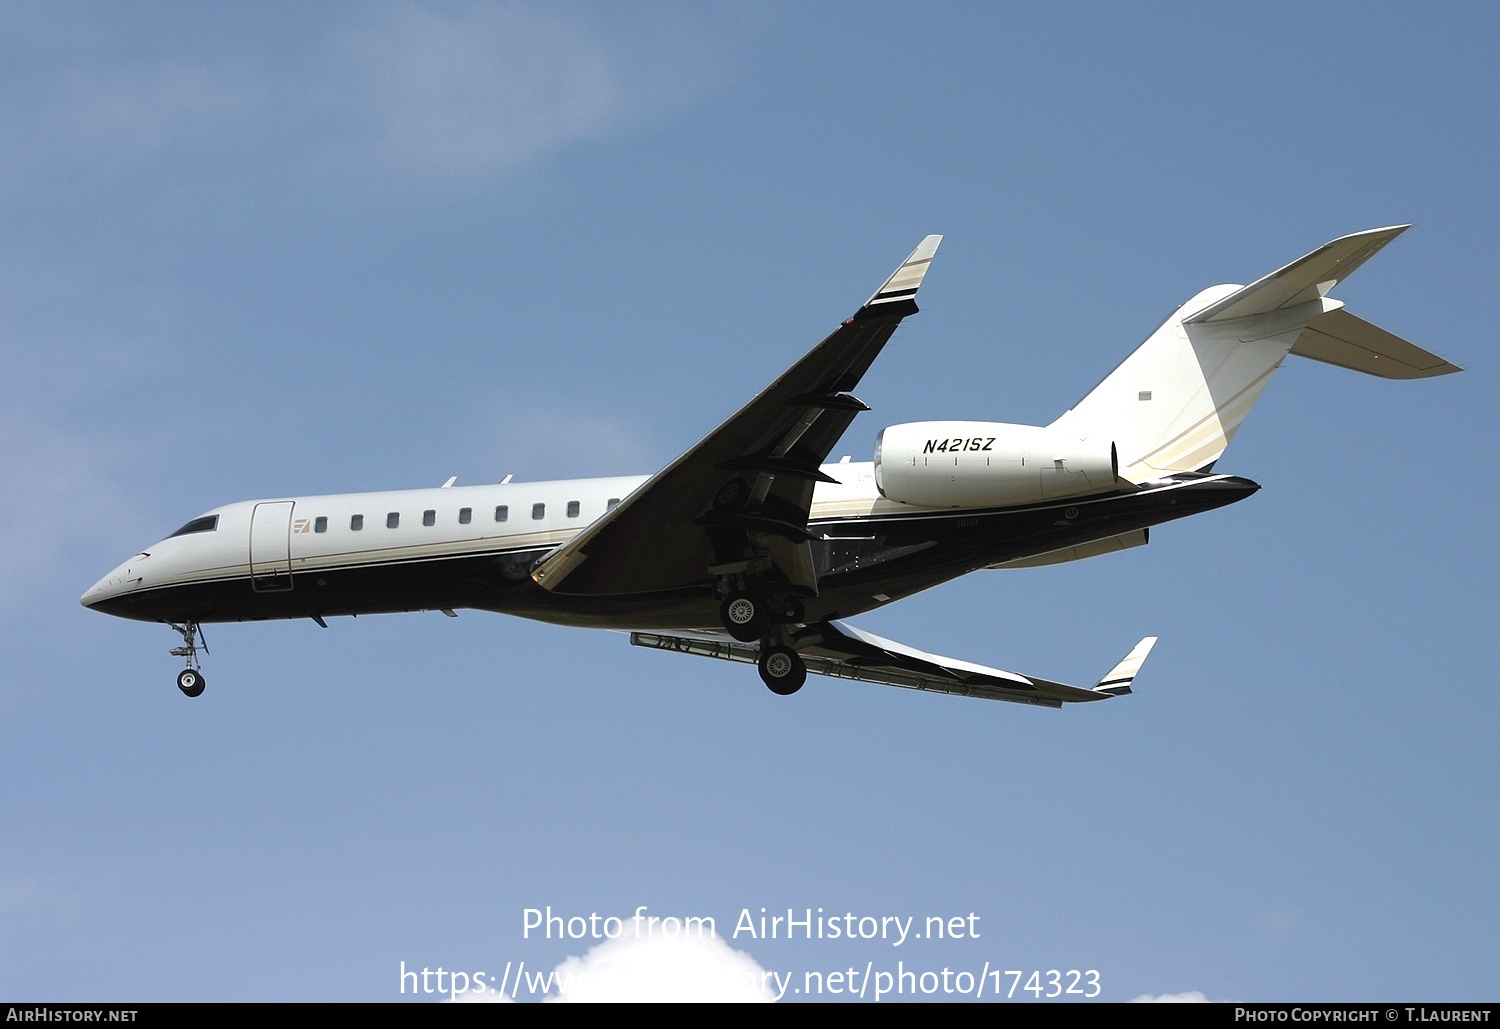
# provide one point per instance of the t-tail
(1174, 404)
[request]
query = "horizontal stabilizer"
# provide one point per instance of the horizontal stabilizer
(1305, 279)
(841, 651)
(1347, 340)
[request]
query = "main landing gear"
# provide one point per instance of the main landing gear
(781, 669)
(754, 616)
(190, 680)
(748, 616)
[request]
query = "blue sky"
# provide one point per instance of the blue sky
(278, 250)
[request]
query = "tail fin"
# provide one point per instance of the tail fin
(1174, 404)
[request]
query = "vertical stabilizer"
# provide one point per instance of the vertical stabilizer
(1174, 404)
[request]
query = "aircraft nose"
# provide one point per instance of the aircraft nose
(99, 592)
(117, 582)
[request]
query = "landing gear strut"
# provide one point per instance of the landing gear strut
(190, 680)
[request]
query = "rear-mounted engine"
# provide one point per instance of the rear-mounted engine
(983, 464)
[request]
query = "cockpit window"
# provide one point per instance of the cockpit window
(208, 523)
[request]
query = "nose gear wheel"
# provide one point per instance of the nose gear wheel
(191, 682)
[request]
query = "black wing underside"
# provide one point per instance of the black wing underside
(738, 501)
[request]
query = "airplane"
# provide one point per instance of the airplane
(752, 548)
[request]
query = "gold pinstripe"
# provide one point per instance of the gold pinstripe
(1211, 431)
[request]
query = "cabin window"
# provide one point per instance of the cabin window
(572, 509)
(538, 511)
(465, 515)
(356, 522)
(502, 512)
(429, 517)
(612, 502)
(393, 519)
(320, 524)
(208, 523)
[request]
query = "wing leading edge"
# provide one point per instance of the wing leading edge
(840, 650)
(741, 495)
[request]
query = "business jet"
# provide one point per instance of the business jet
(751, 547)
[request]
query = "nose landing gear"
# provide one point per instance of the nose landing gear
(190, 680)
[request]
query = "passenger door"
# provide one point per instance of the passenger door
(271, 546)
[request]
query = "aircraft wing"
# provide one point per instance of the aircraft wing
(844, 652)
(746, 488)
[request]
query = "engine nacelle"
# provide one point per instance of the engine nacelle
(984, 464)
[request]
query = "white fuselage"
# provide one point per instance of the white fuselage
(260, 541)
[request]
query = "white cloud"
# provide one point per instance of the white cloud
(562, 439)
(686, 966)
(695, 967)
(68, 494)
(1190, 997)
(448, 94)
(128, 110)
(26, 903)
(1279, 920)
(478, 91)
(99, 120)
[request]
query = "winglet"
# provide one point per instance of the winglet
(901, 287)
(1117, 680)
